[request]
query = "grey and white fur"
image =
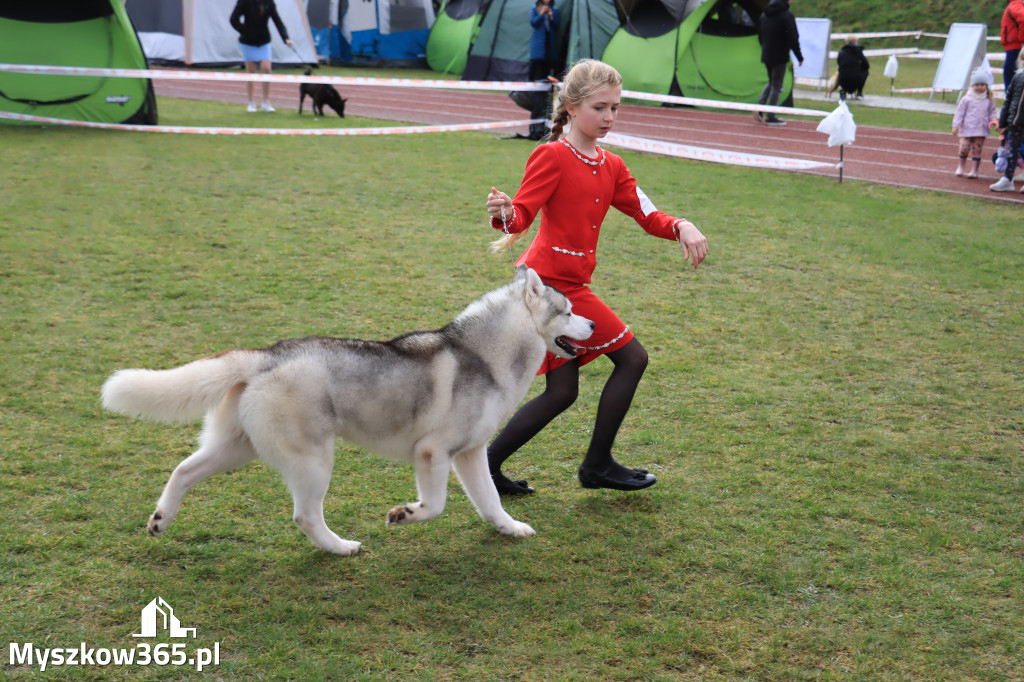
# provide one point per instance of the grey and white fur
(432, 398)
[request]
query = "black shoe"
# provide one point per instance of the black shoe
(506, 486)
(774, 122)
(633, 479)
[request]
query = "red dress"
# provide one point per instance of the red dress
(573, 194)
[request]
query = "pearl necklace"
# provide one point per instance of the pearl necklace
(580, 156)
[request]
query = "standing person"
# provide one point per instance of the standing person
(779, 36)
(975, 113)
(1011, 121)
(853, 69)
(251, 18)
(1011, 33)
(573, 182)
(544, 19)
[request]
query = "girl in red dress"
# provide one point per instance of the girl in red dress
(572, 182)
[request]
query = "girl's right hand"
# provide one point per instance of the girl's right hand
(496, 200)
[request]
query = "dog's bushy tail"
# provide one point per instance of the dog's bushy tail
(182, 393)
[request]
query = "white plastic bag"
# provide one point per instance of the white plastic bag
(839, 126)
(891, 67)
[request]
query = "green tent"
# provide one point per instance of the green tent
(454, 30)
(698, 48)
(501, 51)
(708, 50)
(91, 33)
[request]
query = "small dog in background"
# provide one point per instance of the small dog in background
(321, 95)
(832, 85)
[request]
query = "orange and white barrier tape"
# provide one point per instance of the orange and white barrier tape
(195, 130)
(882, 34)
(718, 104)
(919, 91)
(625, 141)
(686, 151)
(182, 74)
(615, 139)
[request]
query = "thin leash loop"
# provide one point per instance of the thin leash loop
(508, 236)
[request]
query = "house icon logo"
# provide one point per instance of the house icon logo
(158, 614)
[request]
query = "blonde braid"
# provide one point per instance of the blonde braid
(559, 117)
(505, 242)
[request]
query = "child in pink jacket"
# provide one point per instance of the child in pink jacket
(975, 114)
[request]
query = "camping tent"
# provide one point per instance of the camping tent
(324, 19)
(198, 32)
(94, 33)
(501, 51)
(452, 34)
(697, 48)
(706, 49)
(393, 32)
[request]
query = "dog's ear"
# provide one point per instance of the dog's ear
(534, 286)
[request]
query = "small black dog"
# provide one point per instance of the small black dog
(321, 95)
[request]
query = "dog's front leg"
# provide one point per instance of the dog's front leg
(432, 466)
(471, 468)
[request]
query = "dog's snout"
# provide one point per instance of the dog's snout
(592, 325)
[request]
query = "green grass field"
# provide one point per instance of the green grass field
(833, 410)
(885, 15)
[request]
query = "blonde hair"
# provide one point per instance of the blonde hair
(586, 77)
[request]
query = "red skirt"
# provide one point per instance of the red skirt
(610, 333)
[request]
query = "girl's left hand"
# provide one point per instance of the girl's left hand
(695, 244)
(288, 42)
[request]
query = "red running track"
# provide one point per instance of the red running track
(889, 156)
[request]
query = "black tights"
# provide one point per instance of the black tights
(561, 391)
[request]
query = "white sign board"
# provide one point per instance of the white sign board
(964, 50)
(815, 37)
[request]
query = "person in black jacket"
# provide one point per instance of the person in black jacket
(779, 36)
(853, 69)
(1011, 122)
(251, 19)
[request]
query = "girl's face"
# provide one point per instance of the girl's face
(595, 115)
(980, 88)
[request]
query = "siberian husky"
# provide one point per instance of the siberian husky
(431, 398)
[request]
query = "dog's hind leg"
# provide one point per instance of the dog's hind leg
(223, 446)
(432, 467)
(308, 476)
(471, 468)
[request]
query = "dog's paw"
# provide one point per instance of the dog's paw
(156, 527)
(400, 515)
(516, 529)
(344, 547)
